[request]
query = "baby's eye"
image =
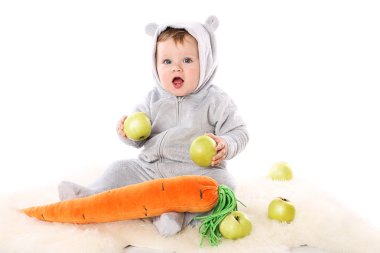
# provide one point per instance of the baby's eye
(166, 61)
(187, 60)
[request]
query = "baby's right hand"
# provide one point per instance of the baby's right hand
(120, 128)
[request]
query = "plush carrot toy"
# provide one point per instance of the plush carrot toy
(148, 199)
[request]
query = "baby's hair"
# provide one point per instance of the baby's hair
(177, 34)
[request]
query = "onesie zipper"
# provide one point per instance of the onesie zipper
(179, 105)
(178, 120)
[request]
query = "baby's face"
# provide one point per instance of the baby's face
(178, 65)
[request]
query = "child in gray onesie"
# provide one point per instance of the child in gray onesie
(183, 105)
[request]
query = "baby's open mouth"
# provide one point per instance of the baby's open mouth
(177, 82)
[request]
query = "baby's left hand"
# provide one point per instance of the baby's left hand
(221, 149)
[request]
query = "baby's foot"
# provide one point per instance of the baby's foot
(191, 221)
(169, 224)
(68, 190)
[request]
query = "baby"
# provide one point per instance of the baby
(183, 105)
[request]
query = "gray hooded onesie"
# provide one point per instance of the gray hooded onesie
(176, 121)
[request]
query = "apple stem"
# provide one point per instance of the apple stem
(227, 203)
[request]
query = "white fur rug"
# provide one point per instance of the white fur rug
(321, 222)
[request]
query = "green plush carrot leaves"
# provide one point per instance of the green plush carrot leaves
(227, 203)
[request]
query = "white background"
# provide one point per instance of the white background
(305, 75)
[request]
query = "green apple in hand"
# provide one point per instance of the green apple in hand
(282, 210)
(235, 225)
(137, 126)
(280, 171)
(202, 150)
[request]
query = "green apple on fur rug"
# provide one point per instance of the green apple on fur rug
(282, 210)
(235, 225)
(280, 171)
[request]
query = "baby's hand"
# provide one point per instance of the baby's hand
(221, 149)
(120, 127)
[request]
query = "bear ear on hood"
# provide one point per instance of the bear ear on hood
(212, 24)
(151, 29)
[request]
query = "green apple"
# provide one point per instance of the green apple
(235, 225)
(137, 126)
(202, 150)
(282, 210)
(280, 171)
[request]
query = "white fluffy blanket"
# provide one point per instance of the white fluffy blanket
(321, 222)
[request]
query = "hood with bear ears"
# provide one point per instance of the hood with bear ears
(204, 34)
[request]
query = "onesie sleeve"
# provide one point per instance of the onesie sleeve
(229, 125)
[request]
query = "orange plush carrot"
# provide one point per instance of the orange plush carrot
(147, 199)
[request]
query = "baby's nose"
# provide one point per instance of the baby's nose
(176, 68)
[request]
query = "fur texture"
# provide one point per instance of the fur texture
(321, 222)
